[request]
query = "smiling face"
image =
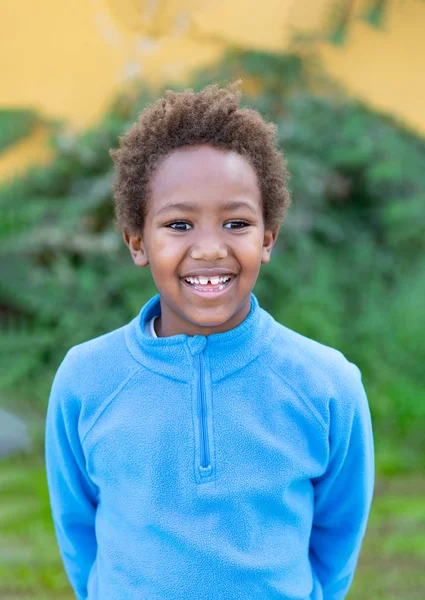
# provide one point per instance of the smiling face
(204, 218)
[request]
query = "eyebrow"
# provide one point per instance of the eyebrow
(184, 206)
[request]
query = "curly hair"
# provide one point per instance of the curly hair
(211, 116)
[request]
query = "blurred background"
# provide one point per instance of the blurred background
(345, 83)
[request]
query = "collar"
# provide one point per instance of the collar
(152, 327)
(176, 356)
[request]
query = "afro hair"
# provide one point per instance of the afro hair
(211, 116)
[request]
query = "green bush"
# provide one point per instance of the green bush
(15, 124)
(347, 268)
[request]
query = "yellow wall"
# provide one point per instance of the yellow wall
(386, 67)
(69, 59)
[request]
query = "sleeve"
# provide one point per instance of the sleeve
(343, 494)
(73, 496)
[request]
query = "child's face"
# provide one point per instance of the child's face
(206, 234)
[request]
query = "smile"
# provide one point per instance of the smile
(211, 287)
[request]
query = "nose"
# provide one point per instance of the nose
(208, 246)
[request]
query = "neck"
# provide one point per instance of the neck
(170, 323)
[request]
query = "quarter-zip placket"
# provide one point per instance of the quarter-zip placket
(202, 408)
(202, 416)
(204, 468)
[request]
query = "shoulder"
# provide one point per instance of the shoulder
(102, 357)
(302, 356)
(318, 373)
(92, 373)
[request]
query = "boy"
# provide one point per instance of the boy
(203, 450)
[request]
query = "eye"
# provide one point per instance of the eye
(242, 224)
(180, 225)
(170, 225)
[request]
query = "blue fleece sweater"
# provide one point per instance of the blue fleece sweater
(232, 466)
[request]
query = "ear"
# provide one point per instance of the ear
(137, 249)
(268, 242)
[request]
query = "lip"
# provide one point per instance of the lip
(210, 295)
(208, 272)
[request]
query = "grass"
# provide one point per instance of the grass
(391, 565)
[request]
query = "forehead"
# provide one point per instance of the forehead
(218, 173)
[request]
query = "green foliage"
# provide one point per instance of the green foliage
(342, 14)
(15, 124)
(375, 13)
(348, 268)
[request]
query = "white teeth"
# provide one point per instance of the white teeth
(204, 280)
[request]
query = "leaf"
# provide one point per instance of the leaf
(376, 13)
(15, 124)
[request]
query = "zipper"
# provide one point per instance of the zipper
(202, 415)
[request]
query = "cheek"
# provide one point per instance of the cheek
(249, 251)
(165, 254)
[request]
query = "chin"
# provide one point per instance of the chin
(209, 320)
